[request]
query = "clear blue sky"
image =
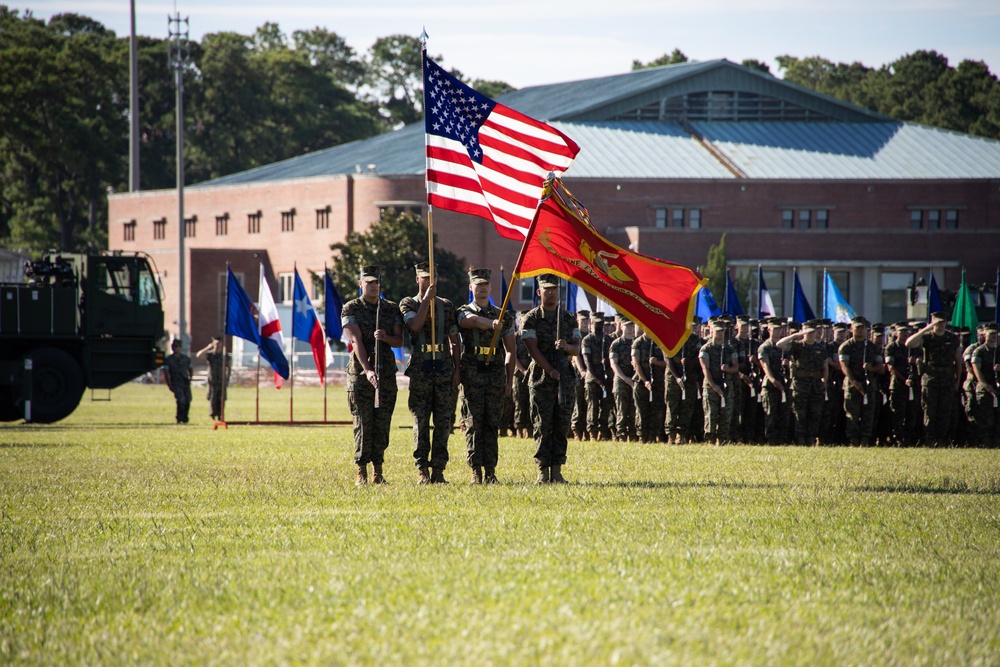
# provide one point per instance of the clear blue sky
(544, 41)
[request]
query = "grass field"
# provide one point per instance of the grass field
(125, 539)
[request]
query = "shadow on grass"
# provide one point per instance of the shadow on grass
(35, 445)
(646, 484)
(931, 489)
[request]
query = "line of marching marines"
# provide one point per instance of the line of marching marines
(556, 375)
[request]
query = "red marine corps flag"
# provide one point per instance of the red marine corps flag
(659, 296)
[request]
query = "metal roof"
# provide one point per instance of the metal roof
(853, 151)
(858, 145)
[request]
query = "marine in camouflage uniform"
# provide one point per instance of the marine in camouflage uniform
(774, 394)
(217, 375)
(832, 429)
(641, 386)
(860, 360)
(551, 334)
(682, 392)
(941, 376)
(719, 364)
(809, 378)
(596, 346)
(487, 375)
(620, 356)
(658, 393)
(433, 373)
(902, 397)
(177, 366)
(970, 382)
(580, 409)
(750, 383)
(522, 406)
(986, 368)
(364, 378)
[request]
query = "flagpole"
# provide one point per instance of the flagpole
(759, 295)
(824, 292)
(291, 350)
(430, 209)
(326, 304)
(225, 350)
(546, 192)
(260, 288)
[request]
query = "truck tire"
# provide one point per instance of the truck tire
(56, 386)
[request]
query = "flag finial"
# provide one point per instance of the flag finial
(424, 37)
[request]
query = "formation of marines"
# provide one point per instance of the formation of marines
(555, 376)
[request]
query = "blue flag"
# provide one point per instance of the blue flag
(239, 311)
(706, 305)
(802, 311)
(933, 298)
(731, 302)
(334, 307)
(835, 307)
(571, 291)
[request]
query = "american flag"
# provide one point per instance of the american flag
(486, 159)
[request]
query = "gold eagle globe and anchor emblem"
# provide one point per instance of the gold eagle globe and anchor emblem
(600, 262)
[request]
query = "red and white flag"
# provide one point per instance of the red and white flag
(272, 343)
(485, 159)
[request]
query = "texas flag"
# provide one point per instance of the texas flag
(306, 326)
(272, 343)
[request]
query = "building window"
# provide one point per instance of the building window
(661, 217)
(775, 281)
(286, 287)
(129, 230)
(916, 219)
(951, 218)
(253, 222)
(842, 279)
(694, 218)
(787, 218)
(933, 219)
(527, 290)
(894, 291)
(222, 224)
(160, 229)
(190, 227)
(677, 217)
(805, 217)
(822, 219)
(323, 218)
(288, 221)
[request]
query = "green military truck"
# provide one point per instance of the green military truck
(78, 321)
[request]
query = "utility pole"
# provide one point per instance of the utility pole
(180, 59)
(133, 80)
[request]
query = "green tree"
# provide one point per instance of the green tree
(63, 129)
(715, 269)
(758, 65)
(673, 58)
(394, 71)
(328, 52)
(396, 242)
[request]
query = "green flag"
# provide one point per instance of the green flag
(964, 314)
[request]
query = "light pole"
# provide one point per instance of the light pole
(180, 58)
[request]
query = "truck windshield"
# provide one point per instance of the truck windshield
(148, 289)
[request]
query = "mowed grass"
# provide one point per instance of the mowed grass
(125, 539)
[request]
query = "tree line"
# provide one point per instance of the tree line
(251, 100)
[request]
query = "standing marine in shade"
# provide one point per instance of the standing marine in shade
(374, 327)
(986, 369)
(487, 375)
(218, 374)
(551, 335)
(860, 361)
(594, 352)
(809, 378)
(433, 373)
(621, 364)
(177, 368)
(942, 365)
(775, 396)
(580, 409)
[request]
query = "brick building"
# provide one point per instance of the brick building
(672, 158)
